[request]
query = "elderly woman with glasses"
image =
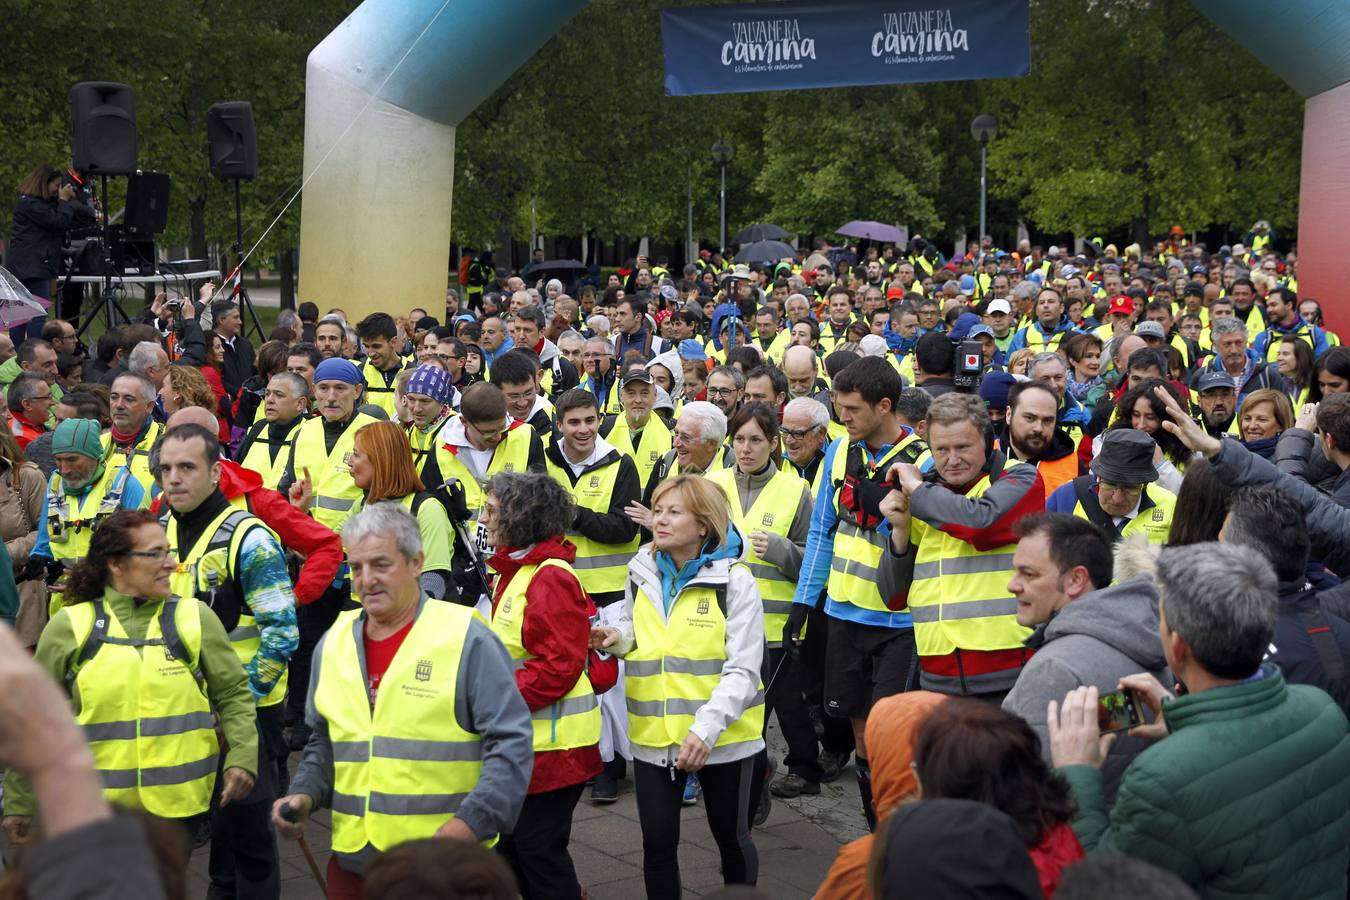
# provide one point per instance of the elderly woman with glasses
(145, 670)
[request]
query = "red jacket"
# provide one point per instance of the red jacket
(319, 545)
(556, 631)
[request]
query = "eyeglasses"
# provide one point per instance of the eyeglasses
(1108, 487)
(797, 433)
(155, 555)
(722, 392)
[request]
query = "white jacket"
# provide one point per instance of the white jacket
(740, 682)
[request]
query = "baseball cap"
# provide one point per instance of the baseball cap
(979, 330)
(998, 306)
(637, 375)
(894, 293)
(1208, 381)
(1121, 304)
(967, 284)
(1150, 329)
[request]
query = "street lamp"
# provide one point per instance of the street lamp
(983, 130)
(721, 154)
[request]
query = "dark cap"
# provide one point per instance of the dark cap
(1208, 381)
(637, 375)
(1126, 457)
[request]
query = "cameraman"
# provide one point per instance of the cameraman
(935, 364)
(42, 215)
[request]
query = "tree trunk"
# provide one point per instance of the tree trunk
(286, 265)
(197, 227)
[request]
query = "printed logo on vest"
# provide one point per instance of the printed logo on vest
(595, 481)
(1157, 515)
(423, 670)
(703, 607)
(768, 519)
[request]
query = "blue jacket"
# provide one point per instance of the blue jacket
(1275, 333)
(1019, 340)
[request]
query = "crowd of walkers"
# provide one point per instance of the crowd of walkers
(1041, 549)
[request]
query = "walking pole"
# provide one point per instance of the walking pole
(290, 814)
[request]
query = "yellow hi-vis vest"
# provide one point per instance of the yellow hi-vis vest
(675, 667)
(144, 709)
(1154, 521)
(259, 456)
(959, 597)
(424, 444)
(208, 573)
(378, 392)
(773, 511)
(601, 568)
(401, 768)
(656, 442)
(858, 551)
(330, 473)
(136, 459)
(573, 721)
(71, 521)
(511, 455)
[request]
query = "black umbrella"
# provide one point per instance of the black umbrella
(765, 252)
(760, 233)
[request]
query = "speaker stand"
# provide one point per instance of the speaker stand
(107, 304)
(245, 301)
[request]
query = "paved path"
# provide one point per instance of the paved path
(796, 846)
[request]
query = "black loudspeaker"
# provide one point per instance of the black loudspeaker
(148, 202)
(103, 128)
(233, 140)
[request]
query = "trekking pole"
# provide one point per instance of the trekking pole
(290, 814)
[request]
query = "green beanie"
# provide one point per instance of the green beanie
(78, 436)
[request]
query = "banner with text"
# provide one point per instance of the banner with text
(837, 43)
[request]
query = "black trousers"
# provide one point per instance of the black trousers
(784, 698)
(838, 732)
(537, 849)
(243, 861)
(726, 798)
(311, 622)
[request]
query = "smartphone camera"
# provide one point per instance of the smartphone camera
(1119, 711)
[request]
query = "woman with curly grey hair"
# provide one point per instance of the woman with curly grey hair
(543, 617)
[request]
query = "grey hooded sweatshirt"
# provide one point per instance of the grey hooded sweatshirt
(1094, 641)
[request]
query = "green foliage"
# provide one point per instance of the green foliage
(1135, 112)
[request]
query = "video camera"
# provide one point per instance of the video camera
(968, 366)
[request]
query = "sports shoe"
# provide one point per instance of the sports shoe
(691, 790)
(790, 786)
(831, 764)
(764, 808)
(605, 789)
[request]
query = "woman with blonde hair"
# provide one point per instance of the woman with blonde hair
(691, 633)
(381, 464)
(185, 386)
(1263, 416)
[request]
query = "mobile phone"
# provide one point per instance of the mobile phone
(1119, 711)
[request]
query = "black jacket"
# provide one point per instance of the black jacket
(36, 237)
(1307, 654)
(238, 365)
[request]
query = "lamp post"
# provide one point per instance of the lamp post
(721, 154)
(983, 129)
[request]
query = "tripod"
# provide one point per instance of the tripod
(107, 302)
(245, 301)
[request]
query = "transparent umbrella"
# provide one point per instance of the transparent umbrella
(17, 305)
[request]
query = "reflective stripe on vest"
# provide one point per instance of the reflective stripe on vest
(379, 392)
(959, 597)
(573, 720)
(259, 456)
(208, 570)
(601, 568)
(675, 667)
(773, 511)
(147, 719)
(330, 473)
(854, 575)
(401, 769)
(136, 459)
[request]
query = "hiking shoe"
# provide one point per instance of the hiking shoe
(605, 789)
(764, 807)
(790, 786)
(691, 791)
(831, 764)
